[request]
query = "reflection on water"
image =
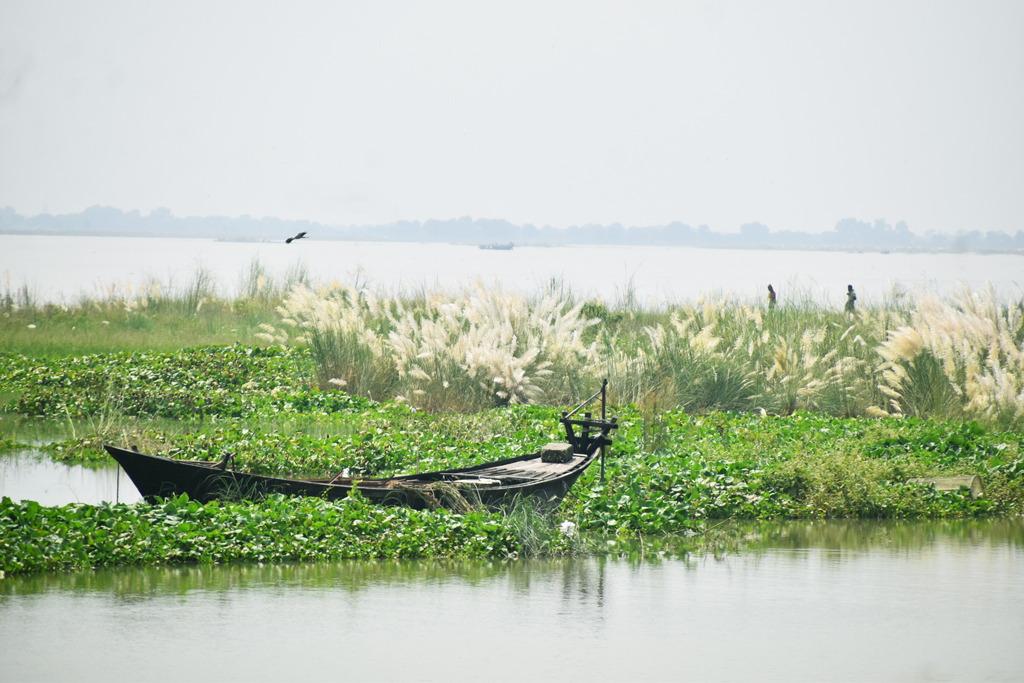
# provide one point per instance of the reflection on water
(352, 576)
(870, 535)
(841, 538)
(31, 475)
(821, 600)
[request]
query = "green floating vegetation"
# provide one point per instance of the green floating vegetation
(383, 440)
(666, 472)
(218, 382)
(176, 531)
(675, 468)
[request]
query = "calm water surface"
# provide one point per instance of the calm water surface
(30, 475)
(64, 267)
(804, 601)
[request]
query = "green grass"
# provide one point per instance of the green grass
(155, 317)
(52, 332)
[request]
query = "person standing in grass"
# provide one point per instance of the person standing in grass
(851, 296)
(771, 298)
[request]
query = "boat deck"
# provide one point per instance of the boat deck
(526, 471)
(530, 470)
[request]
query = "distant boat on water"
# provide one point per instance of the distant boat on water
(501, 247)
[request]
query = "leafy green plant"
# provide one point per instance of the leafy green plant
(36, 538)
(202, 383)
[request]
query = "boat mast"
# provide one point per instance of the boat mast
(604, 397)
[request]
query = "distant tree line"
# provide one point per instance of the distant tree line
(848, 233)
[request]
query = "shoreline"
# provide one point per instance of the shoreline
(865, 249)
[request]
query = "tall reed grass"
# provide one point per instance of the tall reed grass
(474, 346)
(477, 346)
(957, 358)
(451, 350)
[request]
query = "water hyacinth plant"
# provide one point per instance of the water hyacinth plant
(277, 529)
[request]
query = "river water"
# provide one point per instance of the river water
(62, 268)
(30, 475)
(939, 600)
(851, 601)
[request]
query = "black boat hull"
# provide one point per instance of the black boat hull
(493, 484)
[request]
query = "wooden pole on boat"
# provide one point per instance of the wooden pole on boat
(604, 396)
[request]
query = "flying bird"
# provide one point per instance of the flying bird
(297, 237)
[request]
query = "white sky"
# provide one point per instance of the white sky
(795, 114)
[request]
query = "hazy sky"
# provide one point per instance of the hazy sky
(795, 114)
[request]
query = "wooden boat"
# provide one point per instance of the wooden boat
(493, 484)
(499, 247)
